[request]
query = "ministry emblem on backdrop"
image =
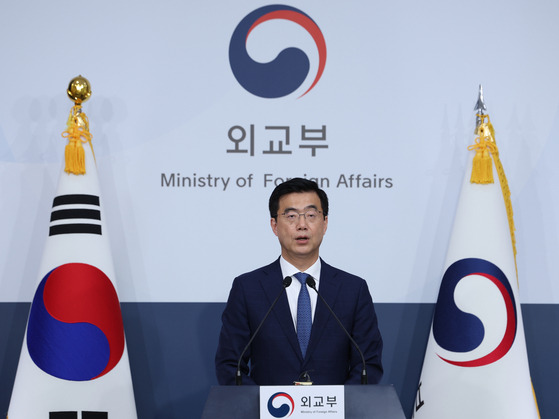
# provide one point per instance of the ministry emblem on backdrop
(290, 69)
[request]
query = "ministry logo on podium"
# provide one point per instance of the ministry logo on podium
(302, 402)
(285, 409)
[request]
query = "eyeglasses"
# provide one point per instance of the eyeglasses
(310, 215)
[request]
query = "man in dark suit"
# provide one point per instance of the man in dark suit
(300, 339)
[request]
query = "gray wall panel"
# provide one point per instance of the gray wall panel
(171, 348)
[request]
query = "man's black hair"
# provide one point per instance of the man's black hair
(296, 185)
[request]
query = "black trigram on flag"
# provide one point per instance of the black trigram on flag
(74, 415)
(72, 214)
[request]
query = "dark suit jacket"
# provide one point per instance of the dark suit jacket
(274, 355)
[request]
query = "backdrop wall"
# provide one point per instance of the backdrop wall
(377, 106)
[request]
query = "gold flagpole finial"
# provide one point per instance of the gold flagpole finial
(79, 90)
(77, 132)
(480, 108)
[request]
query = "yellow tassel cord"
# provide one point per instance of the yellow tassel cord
(482, 170)
(77, 134)
(485, 147)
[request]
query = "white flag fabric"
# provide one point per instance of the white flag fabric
(74, 361)
(476, 364)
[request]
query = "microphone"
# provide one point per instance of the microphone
(312, 283)
(238, 378)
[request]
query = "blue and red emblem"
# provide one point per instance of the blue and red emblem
(283, 411)
(75, 329)
(289, 69)
(460, 332)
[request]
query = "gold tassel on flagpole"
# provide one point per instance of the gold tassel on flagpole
(485, 147)
(482, 168)
(77, 133)
(77, 130)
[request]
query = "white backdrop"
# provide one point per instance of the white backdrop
(396, 101)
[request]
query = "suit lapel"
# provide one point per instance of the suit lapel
(328, 288)
(272, 285)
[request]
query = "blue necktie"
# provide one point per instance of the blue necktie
(304, 317)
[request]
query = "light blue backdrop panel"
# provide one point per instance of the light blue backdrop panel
(394, 107)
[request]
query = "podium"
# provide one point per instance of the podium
(361, 401)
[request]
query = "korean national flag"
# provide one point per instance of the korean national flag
(74, 361)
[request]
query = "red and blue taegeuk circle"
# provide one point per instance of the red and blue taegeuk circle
(457, 331)
(75, 329)
(285, 409)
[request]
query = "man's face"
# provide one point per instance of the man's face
(300, 240)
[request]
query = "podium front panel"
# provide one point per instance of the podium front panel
(361, 401)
